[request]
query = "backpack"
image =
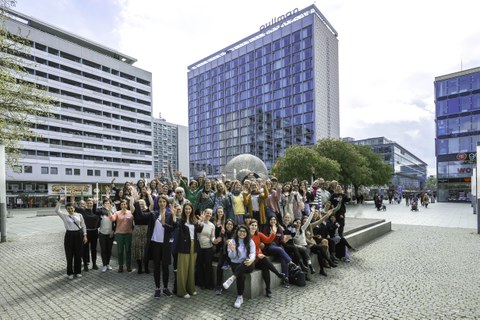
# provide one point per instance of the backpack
(297, 277)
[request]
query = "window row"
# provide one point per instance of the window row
(96, 135)
(469, 82)
(41, 153)
(293, 41)
(55, 52)
(285, 64)
(458, 105)
(457, 145)
(81, 86)
(470, 123)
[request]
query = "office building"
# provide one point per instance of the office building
(101, 128)
(457, 116)
(170, 143)
(410, 172)
(273, 89)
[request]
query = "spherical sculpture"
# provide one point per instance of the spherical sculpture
(240, 166)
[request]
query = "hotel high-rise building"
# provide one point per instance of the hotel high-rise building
(273, 89)
(102, 126)
(457, 116)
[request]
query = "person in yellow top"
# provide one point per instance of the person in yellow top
(255, 201)
(238, 203)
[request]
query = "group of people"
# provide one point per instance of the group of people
(411, 199)
(191, 223)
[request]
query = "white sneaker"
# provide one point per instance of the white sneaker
(104, 269)
(70, 277)
(238, 302)
(108, 267)
(187, 296)
(194, 293)
(78, 275)
(228, 283)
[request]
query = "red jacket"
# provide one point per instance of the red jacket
(259, 238)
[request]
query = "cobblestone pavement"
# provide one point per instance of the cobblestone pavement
(414, 272)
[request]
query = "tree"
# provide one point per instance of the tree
(300, 162)
(21, 101)
(432, 183)
(380, 173)
(353, 165)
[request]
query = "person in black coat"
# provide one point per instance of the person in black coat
(158, 245)
(187, 246)
(335, 199)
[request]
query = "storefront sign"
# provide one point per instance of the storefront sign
(278, 19)
(472, 156)
(464, 170)
(56, 189)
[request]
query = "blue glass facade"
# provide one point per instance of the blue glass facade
(256, 97)
(457, 102)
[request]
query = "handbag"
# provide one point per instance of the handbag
(296, 276)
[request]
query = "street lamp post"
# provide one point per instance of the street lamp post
(3, 195)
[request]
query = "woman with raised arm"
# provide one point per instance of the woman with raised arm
(75, 238)
(241, 251)
(139, 233)
(159, 236)
(223, 259)
(262, 261)
(187, 247)
(123, 234)
(206, 239)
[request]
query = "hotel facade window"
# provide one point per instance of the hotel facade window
(271, 90)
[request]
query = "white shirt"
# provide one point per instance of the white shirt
(206, 237)
(72, 222)
(158, 231)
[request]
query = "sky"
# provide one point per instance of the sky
(389, 51)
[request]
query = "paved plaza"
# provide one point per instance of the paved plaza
(426, 268)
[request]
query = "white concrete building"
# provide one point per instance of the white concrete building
(102, 126)
(170, 143)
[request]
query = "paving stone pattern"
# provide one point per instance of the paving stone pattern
(414, 272)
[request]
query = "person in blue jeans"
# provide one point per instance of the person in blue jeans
(275, 248)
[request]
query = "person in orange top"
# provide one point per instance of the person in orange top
(262, 262)
(255, 202)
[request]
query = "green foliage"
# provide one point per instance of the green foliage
(334, 159)
(354, 166)
(432, 183)
(380, 172)
(300, 162)
(21, 101)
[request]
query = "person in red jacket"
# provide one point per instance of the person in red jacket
(262, 262)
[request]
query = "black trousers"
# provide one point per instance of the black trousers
(205, 269)
(266, 266)
(106, 244)
(292, 250)
(221, 261)
(321, 254)
(90, 247)
(73, 243)
(159, 260)
(239, 271)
